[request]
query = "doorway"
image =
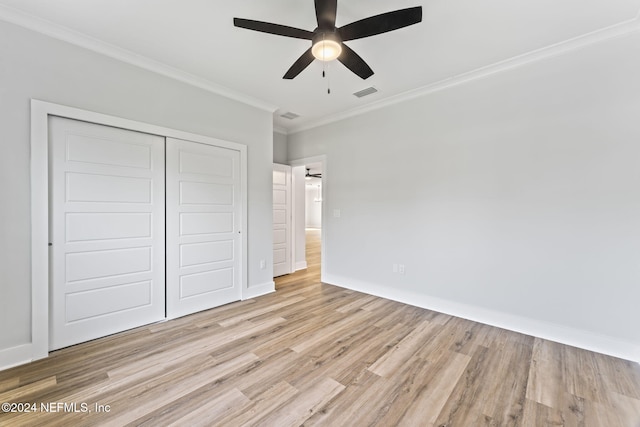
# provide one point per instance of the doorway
(309, 213)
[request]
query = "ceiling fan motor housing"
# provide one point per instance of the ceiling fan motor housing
(326, 35)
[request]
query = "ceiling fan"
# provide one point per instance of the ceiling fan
(327, 41)
(310, 175)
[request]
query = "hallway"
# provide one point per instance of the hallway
(311, 274)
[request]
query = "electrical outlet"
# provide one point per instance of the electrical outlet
(395, 268)
(336, 213)
(263, 264)
(401, 269)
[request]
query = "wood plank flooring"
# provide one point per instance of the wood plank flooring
(318, 355)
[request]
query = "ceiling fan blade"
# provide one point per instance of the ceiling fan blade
(277, 29)
(326, 13)
(302, 63)
(352, 61)
(381, 23)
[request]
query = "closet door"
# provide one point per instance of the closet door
(203, 226)
(106, 230)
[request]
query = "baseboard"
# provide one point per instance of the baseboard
(15, 356)
(524, 325)
(259, 290)
(300, 265)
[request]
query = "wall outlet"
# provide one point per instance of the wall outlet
(395, 268)
(401, 268)
(263, 264)
(336, 213)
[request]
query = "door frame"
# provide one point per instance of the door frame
(40, 112)
(323, 221)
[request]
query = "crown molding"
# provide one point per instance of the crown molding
(280, 130)
(607, 33)
(59, 32)
(50, 29)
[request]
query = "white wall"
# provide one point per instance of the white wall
(34, 66)
(513, 199)
(279, 148)
(313, 209)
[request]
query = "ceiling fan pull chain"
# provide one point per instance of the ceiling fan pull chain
(325, 66)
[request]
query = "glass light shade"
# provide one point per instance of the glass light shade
(326, 50)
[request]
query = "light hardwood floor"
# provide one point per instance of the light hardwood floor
(317, 354)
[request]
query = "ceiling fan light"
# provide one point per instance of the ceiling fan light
(326, 50)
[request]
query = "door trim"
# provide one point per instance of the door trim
(40, 112)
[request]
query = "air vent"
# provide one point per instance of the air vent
(289, 115)
(365, 92)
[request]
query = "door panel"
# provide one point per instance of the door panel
(83, 227)
(86, 187)
(108, 301)
(281, 220)
(107, 230)
(205, 253)
(104, 264)
(197, 193)
(203, 227)
(206, 223)
(206, 282)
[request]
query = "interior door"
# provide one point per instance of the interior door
(106, 230)
(281, 220)
(204, 212)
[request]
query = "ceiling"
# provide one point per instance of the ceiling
(196, 39)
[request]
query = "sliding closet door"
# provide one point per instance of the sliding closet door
(203, 226)
(106, 230)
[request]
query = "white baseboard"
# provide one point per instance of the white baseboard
(259, 290)
(300, 265)
(15, 356)
(524, 325)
